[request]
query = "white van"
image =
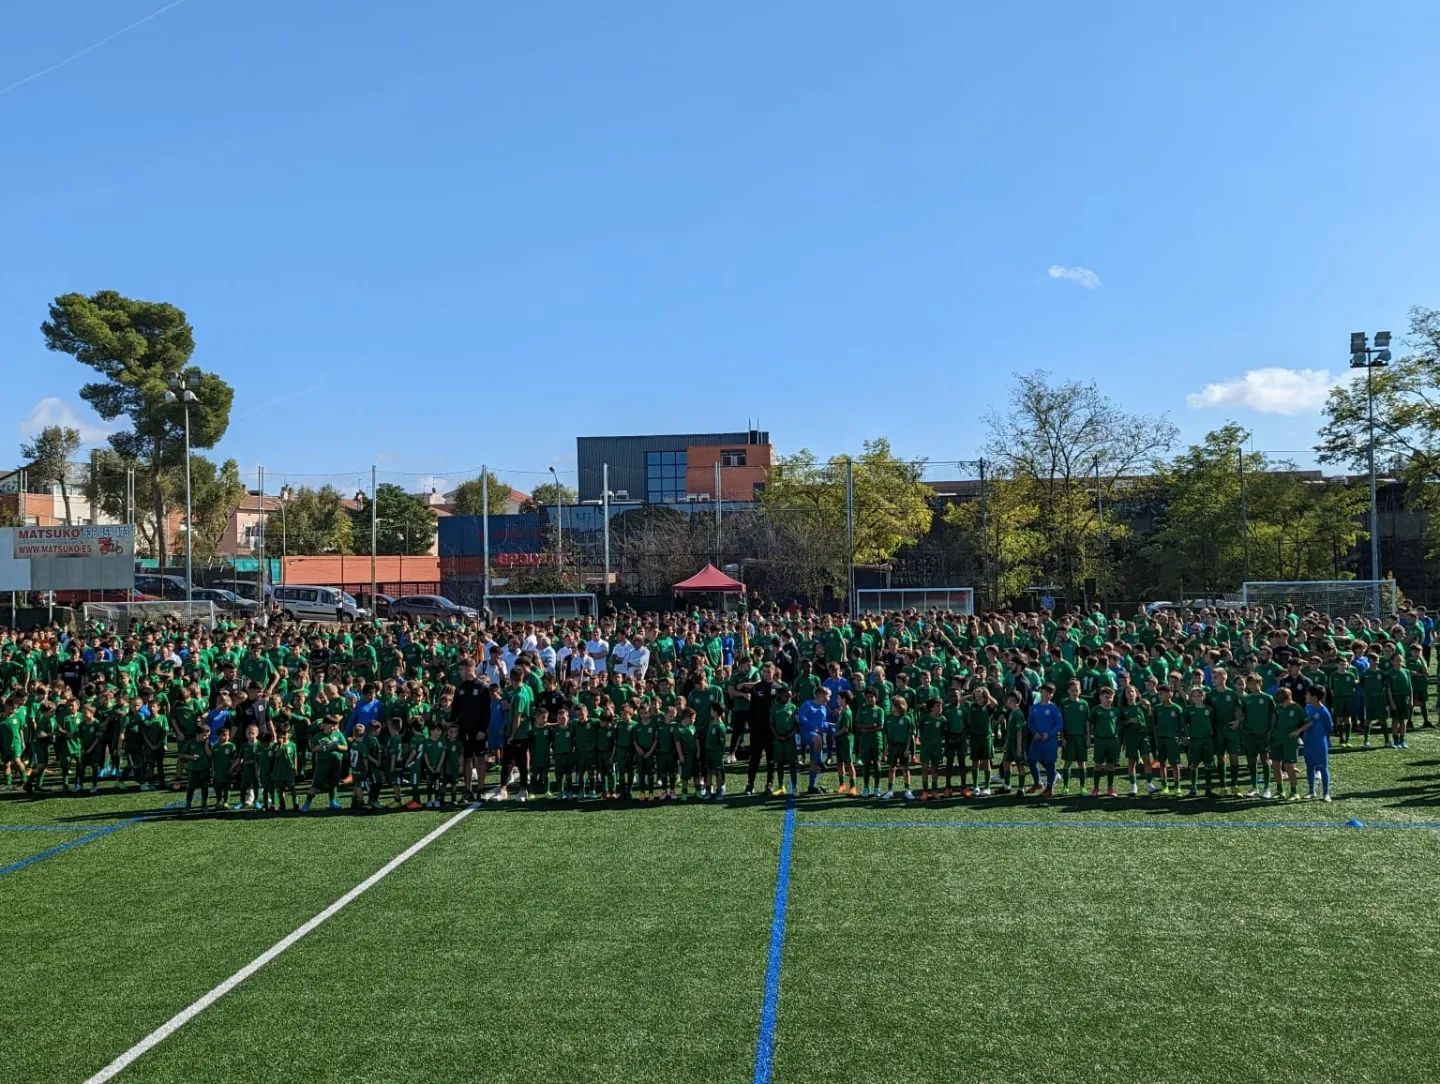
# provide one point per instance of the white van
(303, 602)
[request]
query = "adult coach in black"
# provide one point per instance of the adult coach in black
(762, 696)
(471, 710)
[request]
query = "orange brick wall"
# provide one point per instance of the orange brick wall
(736, 483)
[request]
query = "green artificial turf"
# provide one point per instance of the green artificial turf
(1004, 940)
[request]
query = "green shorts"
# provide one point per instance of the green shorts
(1073, 748)
(931, 752)
(867, 747)
(1107, 750)
(982, 747)
(1254, 745)
(1377, 711)
(1167, 750)
(1137, 745)
(1202, 750)
(845, 748)
(1227, 741)
(897, 753)
(1287, 750)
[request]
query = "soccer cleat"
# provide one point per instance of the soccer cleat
(720, 793)
(412, 804)
(1193, 793)
(1266, 794)
(984, 792)
(1252, 793)
(1048, 792)
(335, 806)
(1094, 792)
(1327, 797)
(887, 795)
(909, 795)
(1034, 788)
(1150, 785)
(1110, 792)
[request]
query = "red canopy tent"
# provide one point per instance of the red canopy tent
(711, 579)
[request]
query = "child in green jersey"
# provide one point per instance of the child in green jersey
(686, 750)
(716, 736)
(359, 758)
(283, 767)
(222, 766)
(329, 749)
(845, 743)
(195, 758)
(432, 765)
(1133, 722)
(1200, 739)
(562, 746)
(42, 737)
(981, 734)
(251, 752)
(1012, 756)
(1074, 735)
(869, 722)
(932, 744)
(450, 766)
(1285, 743)
(899, 746)
(785, 750)
(1168, 717)
(1105, 731)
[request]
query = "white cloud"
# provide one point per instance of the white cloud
(52, 410)
(1081, 276)
(1271, 390)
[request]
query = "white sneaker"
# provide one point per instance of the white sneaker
(720, 793)
(502, 795)
(1266, 794)
(522, 797)
(984, 792)
(887, 795)
(1252, 793)
(909, 795)
(1150, 785)
(1328, 798)
(1134, 790)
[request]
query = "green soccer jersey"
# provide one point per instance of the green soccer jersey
(1257, 711)
(899, 728)
(1226, 704)
(1168, 718)
(931, 727)
(1200, 721)
(1074, 715)
(782, 720)
(222, 760)
(869, 720)
(1104, 722)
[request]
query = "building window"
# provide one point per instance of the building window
(732, 457)
(664, 477)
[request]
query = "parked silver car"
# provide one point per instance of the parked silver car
(429, 606)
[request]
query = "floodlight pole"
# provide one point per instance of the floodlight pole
(181, 393)
(1364, 356)
(605, 516)
(559, 532)
(485, 536)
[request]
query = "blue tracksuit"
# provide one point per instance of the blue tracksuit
(1044, 724)
(811, 719)
(1315, 744)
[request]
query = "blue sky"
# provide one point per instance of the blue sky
(435, 234)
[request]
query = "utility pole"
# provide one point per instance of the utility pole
(717, 512)
(605, 515)
(985, 535)
(485, 537)
(260, 544)
(1244, 518)
(374, 534)
(850, 536)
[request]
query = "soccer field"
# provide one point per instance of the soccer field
(1007, 939)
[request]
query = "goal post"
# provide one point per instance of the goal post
(123, 616)
(534, 607)
(875, 600)
(1370, 598)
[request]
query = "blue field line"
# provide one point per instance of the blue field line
(765, 1044)
(80, 841)
(1155, 825)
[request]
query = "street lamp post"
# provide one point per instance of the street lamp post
(559, 529)
(1370, 358)
(184, 396)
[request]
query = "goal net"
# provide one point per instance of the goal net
(958, 600)
(541, 607)
(124, 616)
(1341, 598)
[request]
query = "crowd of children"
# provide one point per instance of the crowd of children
(661, 707)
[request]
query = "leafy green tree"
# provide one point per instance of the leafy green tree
(404, 523)
(139, 348)
(316, 522)
(1001, 529)
(49, 456)
(215, 493)
(1407, 421)
(469, 496)
(547, 495)
(804, 509)
(1072, 453)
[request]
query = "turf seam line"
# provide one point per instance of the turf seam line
(765, 1043)
(1155, 826)
(71, 844)
(195, 1008)
(46, 828)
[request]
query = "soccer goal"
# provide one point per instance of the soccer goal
(1369, 598)
(123, 616)
(541, 607)
(956, 600)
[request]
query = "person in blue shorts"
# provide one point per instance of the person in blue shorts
(1044, 724)
(813, 722)
(1315, 741)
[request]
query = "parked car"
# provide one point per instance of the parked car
(307, 602)
(169, 588)
(379, 606)
(246, 589)
(432, 606)
(226, 602)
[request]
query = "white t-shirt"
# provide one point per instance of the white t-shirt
(598, 650)
(638, 661)
(579, 664)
